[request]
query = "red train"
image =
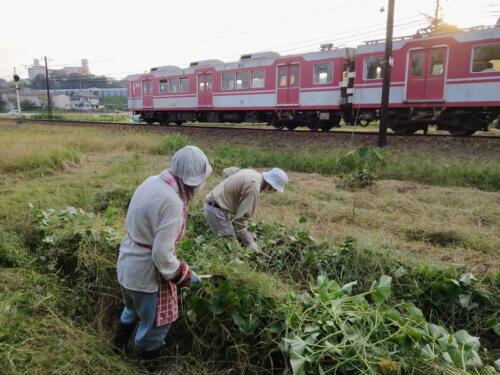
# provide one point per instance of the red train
(451, 80)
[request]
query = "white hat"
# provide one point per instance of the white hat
(277, 178)
(191, 165)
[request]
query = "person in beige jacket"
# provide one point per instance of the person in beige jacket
(239, 195)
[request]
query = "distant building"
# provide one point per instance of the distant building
(61, 101)
(37, 69)
(83, 102)
(119, 91)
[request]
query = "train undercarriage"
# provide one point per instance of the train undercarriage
(457, 121)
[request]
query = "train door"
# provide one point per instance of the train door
(288, 85)
(205, 90)
(147, 93)
(436, 74)
(426, 74)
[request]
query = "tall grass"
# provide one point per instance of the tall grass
(40, 162)
(430, 169)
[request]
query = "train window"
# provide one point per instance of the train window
(322, 73)
(258, 79)
(184, 84)
(173, 86)
(147, 87)
(163, 86)
(227, 81)
(437, 63)
(417, 65)
(486, 58)
(294, 75)
(201, 85)
(241, 80)
(373, 67)
(209, 82)
(282, 74)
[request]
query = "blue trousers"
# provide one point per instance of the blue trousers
(140, 307)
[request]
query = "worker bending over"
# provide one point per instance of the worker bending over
(239, 194)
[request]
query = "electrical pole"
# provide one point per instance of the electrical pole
(49, 104)
(386, 85)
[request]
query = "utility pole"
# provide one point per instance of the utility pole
(436, 21)
(386, 85)
(49, 104)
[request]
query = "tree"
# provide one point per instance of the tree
(3, 104)
(27, 105)
(3, 84)
(38, 83)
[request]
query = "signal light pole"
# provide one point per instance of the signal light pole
(386, 85)
(16, 80)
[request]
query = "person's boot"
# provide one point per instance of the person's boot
(122, 336)
(150, 359)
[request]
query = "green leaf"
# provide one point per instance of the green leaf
(467, 278)
(414, 311)
(297, 345)
(247, 325)
(497, 364)
(193, 318)
(363, 152)
(302, 219)
(297, 362)
(472, 359)
(437, 331)
(496, 328)
(187, 244)
(379, 153)
(400, 272)
(465, 299)
(381, 290)
(470, 342)
(347, 288)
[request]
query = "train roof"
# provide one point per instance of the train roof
(251, 60)
(462, 35)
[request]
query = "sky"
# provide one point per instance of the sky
(131, 36)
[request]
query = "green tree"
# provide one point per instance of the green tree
(3, 104)
(27, 105)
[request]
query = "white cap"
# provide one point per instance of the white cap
(277, 178)
(191, 165)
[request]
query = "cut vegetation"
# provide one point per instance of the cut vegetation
(398, 277)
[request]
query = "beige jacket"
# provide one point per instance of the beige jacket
(238, 194)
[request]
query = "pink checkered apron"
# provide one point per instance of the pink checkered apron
(167, 310)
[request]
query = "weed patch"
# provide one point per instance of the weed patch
(40, 163)
(438, 238)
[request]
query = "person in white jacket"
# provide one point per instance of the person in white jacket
(148, 268)
(239, 195)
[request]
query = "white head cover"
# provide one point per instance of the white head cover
(277, 178)
(191, 165)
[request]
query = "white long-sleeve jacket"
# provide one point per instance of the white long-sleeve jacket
(154, 218)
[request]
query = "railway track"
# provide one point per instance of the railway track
(280, 136)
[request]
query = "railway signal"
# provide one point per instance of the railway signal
(16, 80)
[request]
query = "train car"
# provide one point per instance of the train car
(284, 91)
(451, 80)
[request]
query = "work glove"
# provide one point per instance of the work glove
(194, 278)
(253, 245)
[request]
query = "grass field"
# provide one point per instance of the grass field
(431, 217)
